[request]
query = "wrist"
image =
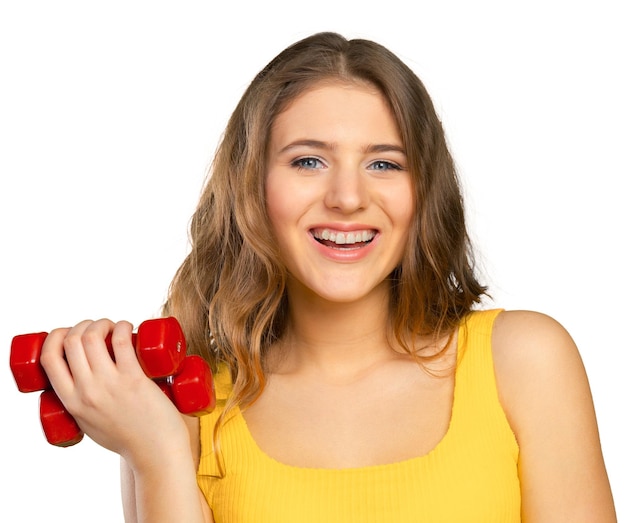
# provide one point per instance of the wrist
(165, 489)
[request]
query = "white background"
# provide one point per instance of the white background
(110, 112)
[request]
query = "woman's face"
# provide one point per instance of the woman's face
(339, 196)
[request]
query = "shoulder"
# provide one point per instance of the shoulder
(530, 331)
(528, 343)
(534, 356)
(544, 391)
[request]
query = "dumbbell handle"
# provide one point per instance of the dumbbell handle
(161, 351)
(160, 347)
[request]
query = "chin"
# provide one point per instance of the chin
(352, 295)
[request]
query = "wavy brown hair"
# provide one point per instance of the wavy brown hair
(229, 294)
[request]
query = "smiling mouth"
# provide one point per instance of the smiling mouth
(343, 240)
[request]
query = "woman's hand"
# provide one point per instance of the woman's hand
(112, 400)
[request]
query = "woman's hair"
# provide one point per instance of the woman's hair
(229, 294)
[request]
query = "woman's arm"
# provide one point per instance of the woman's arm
(129, 486)
(132, 508)
(169, 493)
(545, 393)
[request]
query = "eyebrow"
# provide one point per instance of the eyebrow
(318, 144)
(385, 147)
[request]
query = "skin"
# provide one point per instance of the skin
(545, 393)
(327, 374)
(337, 163)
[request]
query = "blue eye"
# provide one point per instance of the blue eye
(307, 163)
(382, 165)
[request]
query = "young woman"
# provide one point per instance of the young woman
(331, 287)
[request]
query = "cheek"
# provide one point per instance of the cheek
(403, 206)
(408, 216)
(273, 200)
(288, 199)
(282, 208)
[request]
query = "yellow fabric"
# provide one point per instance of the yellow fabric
(470, 476)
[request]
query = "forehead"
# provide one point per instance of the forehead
(332, 87)
(334, 108)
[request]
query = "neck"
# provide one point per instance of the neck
(335, 338)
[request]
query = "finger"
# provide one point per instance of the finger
(91, 339)
(123, 347)
(53, 361)
(74, 350)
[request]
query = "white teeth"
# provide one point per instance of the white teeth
(341, 238)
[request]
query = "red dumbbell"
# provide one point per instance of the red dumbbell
(161, 351)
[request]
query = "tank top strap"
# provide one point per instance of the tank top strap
(476, 400)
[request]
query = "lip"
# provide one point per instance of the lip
(344, 227)
(345, 254)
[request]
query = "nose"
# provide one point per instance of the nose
(347, 190)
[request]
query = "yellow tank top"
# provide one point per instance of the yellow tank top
(470, 476)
